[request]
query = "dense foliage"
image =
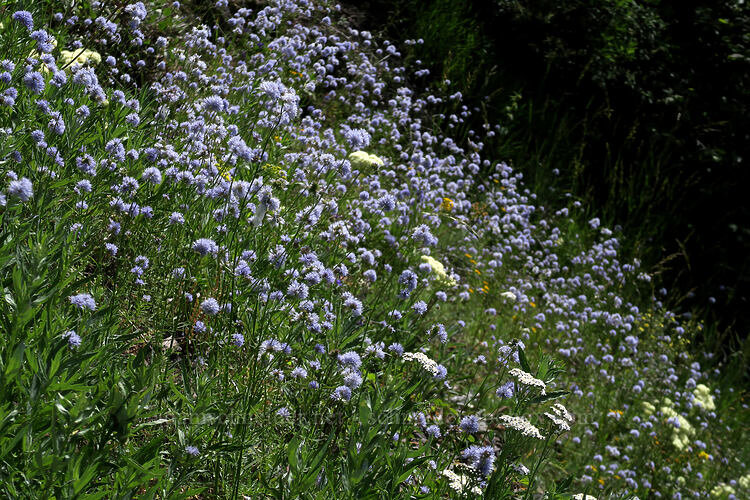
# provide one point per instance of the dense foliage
(249, 260)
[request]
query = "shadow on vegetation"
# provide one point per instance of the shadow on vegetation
(637, 109)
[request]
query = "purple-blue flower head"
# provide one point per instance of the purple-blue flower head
(358, 138)
(283, 412)
(21, 189)
(205, 246)
(210, 306)
(396, 349)
(24, 17)
(152, 175)
(351, 359)
(34, 81)
(342, 393)
(238, 340)
(433, 431)
(480, 458)
(73, 339)
(420, 307)
(83, 301)
(470, 424)
(505, 390)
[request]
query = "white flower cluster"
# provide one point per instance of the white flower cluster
(362, 160)
(704, 398)
(683, 431)
(439, 269)
(581, 496)
(420, 357)
(521, 425)
(459, 482)
(528, 379)
(560, 417)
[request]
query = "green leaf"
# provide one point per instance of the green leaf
(549, 396)
(14, 363)
(523, 361)
(292, 450)
(85, 478)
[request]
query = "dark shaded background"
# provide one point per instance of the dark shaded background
(641, 106)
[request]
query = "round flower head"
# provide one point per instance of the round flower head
(210, 306)
(83, 301)
(505, 390)
(205, 246)
(73, 339)
(34, 81)
(21, 189)
(238, 340)
(152, 175)
(342, 393)
(433, 431)
(481, 458)
(470, 424)
(24, 17)
(358, 138)
(350, 359)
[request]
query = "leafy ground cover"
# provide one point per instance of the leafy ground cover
(248, 260)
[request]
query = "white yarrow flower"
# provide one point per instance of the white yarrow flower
(528, 379)
(521, 425)
(459, 482)
(428, 364)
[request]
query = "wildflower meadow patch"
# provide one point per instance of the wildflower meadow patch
(241, 255)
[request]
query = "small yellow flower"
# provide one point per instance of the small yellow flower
(447, 204)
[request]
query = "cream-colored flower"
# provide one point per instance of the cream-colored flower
(521, 425)
(722, 490)
(439, 270)
(560, 417)
(81, 57)
(683, 431)
(421, 358)
(528, 379)
(704, 398)
(362, 159)
(648, 408)
(458, 482)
